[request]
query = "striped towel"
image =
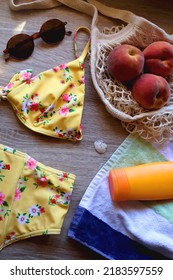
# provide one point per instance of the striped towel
(130, 230)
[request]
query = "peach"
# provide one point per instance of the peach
(159, 58)
(125, 62)
(151, 91)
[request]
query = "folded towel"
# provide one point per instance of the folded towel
(130, 229)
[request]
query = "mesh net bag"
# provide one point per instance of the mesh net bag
(149, 125)
(156, 124)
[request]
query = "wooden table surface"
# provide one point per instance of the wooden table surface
(78, 158)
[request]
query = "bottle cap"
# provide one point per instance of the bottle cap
(118, 184)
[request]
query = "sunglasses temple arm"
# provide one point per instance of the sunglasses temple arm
(68, 33)
(6, 54)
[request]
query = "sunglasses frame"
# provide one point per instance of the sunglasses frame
(21, 46)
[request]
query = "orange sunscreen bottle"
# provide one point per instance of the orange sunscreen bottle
(153, 181)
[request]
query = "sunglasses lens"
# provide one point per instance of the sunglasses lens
(52, 31)
(20, 46)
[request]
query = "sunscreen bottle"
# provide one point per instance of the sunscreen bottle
(153, 181)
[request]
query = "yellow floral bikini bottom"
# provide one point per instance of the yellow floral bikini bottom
(34, 198)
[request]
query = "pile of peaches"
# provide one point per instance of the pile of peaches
(146, 70)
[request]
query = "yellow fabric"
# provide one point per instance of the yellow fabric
(52, 102)
(34, 198)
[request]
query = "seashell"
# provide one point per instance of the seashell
(100, 146)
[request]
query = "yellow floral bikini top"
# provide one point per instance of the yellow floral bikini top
(52, 102)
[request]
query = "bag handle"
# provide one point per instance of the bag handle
(47, 4)
(33, 4)
(90, 7)
(79, 5)
(123, 15)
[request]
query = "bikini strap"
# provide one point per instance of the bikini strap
(86, 49)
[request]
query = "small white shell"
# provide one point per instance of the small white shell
(100, 146)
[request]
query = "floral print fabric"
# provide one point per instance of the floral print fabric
(52, 101)
(34, 198)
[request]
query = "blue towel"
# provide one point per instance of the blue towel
(130, 230)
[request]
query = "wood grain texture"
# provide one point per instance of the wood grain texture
(78, 158)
